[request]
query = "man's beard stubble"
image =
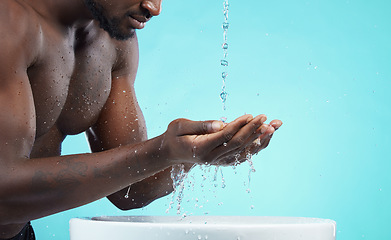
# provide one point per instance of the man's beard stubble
(111, 26)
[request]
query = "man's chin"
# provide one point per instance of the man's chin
(110, 25)
(122, 36)
(117, 34)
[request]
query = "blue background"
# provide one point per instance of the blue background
(321, 66)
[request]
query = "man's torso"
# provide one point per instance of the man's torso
(70, 80)
(70, 75)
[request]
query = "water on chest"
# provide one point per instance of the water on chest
(70, 95)
(50, 79)
(88, 91)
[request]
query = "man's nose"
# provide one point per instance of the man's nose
(153, 6)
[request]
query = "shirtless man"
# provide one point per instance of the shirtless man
(67, 67)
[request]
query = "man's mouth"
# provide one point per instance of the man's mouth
(138, 22)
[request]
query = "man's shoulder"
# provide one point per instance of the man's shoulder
(14, 14)
(19, 27)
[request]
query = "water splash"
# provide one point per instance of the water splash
(252, 169)
(215, 176)
(236, 163)
(216, 172)
(222, 179)
(178, 176)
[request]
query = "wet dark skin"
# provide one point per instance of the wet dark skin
(61, 74)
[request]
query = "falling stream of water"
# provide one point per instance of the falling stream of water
(224, 61)
(178, 174)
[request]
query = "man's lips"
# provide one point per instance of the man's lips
(138, 22)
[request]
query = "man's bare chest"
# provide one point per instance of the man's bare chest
(71, 81)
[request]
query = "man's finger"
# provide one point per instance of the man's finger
(229, 130)
(233, 136)
(188, 127)
(276, 124)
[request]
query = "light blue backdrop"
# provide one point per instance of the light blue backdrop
(323, 67)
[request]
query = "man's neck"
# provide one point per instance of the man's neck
(65, 12)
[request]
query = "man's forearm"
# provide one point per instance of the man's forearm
(34, 188)
(142, 193)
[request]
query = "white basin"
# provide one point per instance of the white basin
(202, 227)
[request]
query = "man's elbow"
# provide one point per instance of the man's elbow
(132, 203)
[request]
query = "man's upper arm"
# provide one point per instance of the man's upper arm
(121, 120)
(17, 112)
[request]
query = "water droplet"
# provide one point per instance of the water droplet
(223, 96)
(194, 151)
(224, 63)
